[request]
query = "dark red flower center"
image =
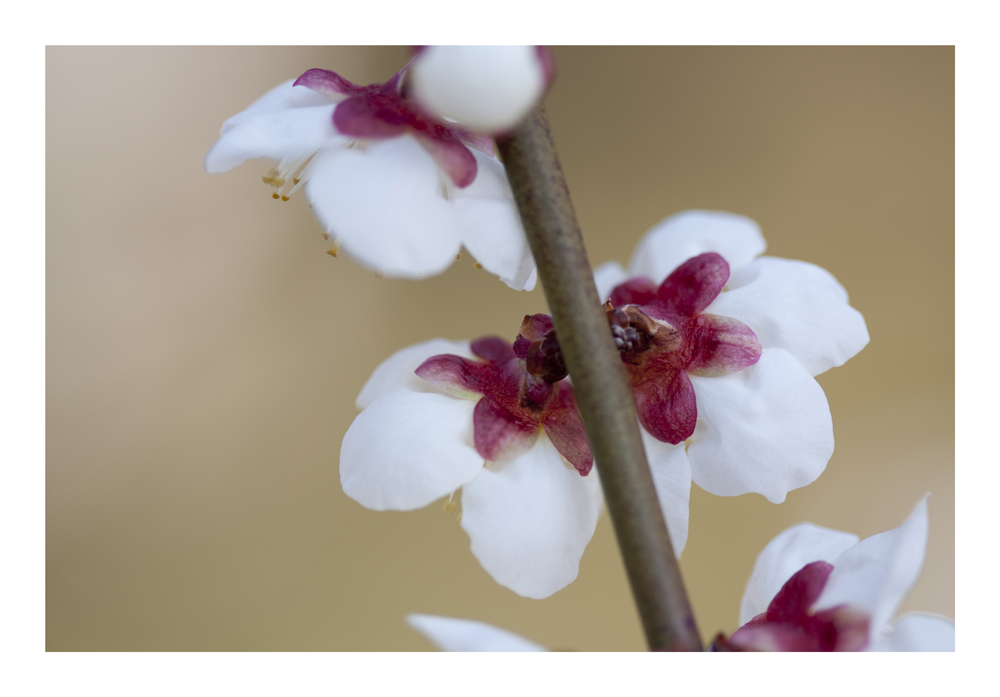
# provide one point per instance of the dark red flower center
(521, 394)
(663, 336)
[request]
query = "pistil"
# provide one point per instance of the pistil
(635, 332)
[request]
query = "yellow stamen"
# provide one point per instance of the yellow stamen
(332, 251)
(281, 174)
(477, 265)
(274, 178)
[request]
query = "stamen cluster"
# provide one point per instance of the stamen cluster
(635, 332)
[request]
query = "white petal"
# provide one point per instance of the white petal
(786, 554)
(795, 306)
(408, 449)
(530, 520)
(766, 429)
(486, 88)
(397, 370)
(607, 276)
(284, 96)
(917, 631)
(490, 225)
(532, 279)
(684, 235)
(453, 634)
(672, 478)
(878, 573)
(278, 135)
(386, 205)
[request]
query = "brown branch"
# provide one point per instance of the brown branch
(600, 382)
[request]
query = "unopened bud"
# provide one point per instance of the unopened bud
(488, 89)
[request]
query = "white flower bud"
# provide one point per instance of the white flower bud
(487, 89)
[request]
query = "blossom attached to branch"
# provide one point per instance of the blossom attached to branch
(722, 349)
(814, 589)
(497, 422)
(396, 189)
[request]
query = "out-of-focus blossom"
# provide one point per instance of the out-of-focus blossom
(396, 189)
(496, 422)
(489, 89)
(722, 346)
(453, 634)
(815, 589)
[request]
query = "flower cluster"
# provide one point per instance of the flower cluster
(721, 346)
(737, 412)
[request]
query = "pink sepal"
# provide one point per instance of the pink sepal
(714, 346)
(330, 84)
(450, 153)
(453, 374)
(492, 348)
(799, 592)
(694, 284)
(497, 433)
(564, 427)
(664, 400)
(371, 116)
(635, 291)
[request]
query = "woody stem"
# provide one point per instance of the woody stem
(600, 382)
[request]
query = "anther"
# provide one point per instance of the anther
(634, 332)
(281, 174)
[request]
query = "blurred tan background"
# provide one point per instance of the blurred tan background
(203, 352)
